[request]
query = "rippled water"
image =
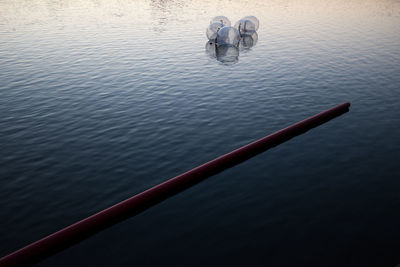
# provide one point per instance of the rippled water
(100, 100)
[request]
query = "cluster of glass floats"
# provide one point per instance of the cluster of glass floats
(225, 41)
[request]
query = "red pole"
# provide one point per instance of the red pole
(85, 228)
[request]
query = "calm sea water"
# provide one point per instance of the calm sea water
(100, 100)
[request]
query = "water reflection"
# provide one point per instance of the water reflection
(229, 55)
(248, 41)
(164, 11)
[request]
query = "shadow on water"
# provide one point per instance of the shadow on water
(229, 55)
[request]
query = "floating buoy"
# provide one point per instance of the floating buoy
(228, 36)
(85, 228)
(254, 20)
(221, 32)
(224, 20)
(245, 26)
(213, 29)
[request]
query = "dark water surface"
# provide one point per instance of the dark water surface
(100, 100)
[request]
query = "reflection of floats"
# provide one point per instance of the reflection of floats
(229, 55)
(248, 41)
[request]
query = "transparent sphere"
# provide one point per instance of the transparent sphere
(248, 41)
(245, 26)
(212, 30)
(224, 20)
(228, 36)
(254, 20)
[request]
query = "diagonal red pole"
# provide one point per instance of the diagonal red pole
(85, 228)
